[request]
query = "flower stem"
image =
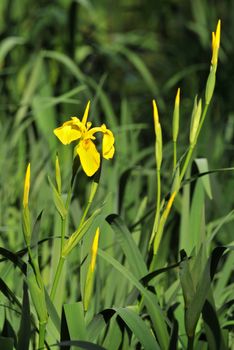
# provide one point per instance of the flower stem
(42, 330)
(190, 343)
(192, 146)
(174, 155)
(57, 277)
(202, 119)
(158, 204)
(64, 221)
(186, 162)
(93, 190)
(63, 229)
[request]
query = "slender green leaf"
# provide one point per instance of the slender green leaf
(202, 165)
(62, 58)
(35, 236)
(6, 343)
(7, 45)
(29, 91)
(128, 245)
(139, 328)
(52, 312)
(95, 327)
(195, 307)
(74, 314)
(80, 344)
(25, 323)
(150, 300)
(9, 294)
(58, 200)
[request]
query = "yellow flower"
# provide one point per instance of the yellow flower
(76, 129)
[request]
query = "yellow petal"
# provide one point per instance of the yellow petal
(26, 186)
(108, 148)
(86, 112)
(67, 133)
(89, 134)
(89, 156)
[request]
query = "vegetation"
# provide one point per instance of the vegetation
(128, 245)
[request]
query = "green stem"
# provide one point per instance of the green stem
(68, 197)
(192, 146)
(158, 204)
(63, 233)
(174, 155)
(187, 161)
(153, 263)
(57, 277)
(63, 229)
(64, 221)
(84, 214)
(42, 330)
(36, 269)
(202, 120)
(190, 343)
(93, 190)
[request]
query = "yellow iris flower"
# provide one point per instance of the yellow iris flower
(76, 129)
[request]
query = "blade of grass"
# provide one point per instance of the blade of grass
(150, 300)
(139, 328)
(128, 245)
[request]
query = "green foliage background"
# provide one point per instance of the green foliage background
(54, 56)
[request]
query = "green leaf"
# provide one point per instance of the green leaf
(35, 236)
(194, 309)
(139, 328)
(29, 91)
(197, 218)
(104, 100)
(37, 295)
(26, 225)
(116, 332)
(202, 165)
(58, 200)
(76, 237)
(212, 325)
(149, 299)
(186, 281)
(52, 312)
(74, 314)
(128, 245)
(17, 261)
(9, 294)
(95, 327)
(80, 344)
(7, 45)
(8, 330)
(147, 278)
(141, 67)
(25, 323)
(88, 287)
(6, 343)
(60, 57)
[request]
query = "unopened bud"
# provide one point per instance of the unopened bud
(176, 116)
(196, 115)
